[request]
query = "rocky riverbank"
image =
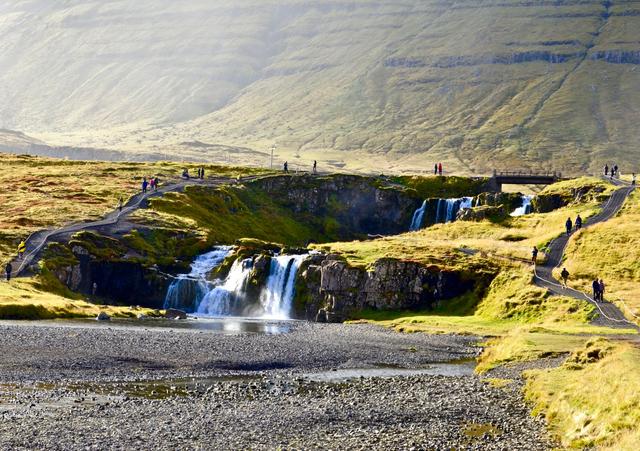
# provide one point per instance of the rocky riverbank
(113, 387)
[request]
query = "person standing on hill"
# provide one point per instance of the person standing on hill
(120, 204)
(633, 179)
(151, 183)
(202, 173)
(578, 222)
(606, 169)
(602, 287)
(22, 247)
(286, 166)
(8, 269)
(615, 170)
(569, 226)
(156, 183)
(596, 289)
(144, 185)
(440, 168)
(565, 276)
(534, 255)
(435, 169)
(315, 167)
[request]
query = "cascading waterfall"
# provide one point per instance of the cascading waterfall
(187, 290)
(228, 296)
(416, 221)
(276, 298)
(525, 208)
(447, 209)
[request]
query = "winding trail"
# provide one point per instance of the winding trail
(610, 315)
(38, 240)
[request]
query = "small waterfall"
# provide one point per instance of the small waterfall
(447, 209)
(227, 297)
(525, 208)
(277, 296)
(187, 290)
(418, 216)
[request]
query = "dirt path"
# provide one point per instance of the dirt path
(38, 240)
(610, 315)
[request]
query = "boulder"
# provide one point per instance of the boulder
(173, 313)
(482, 213)
(103, 316)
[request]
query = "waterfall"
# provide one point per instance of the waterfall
(276, 298)
(525, 208)
(187, 290)
(448, 209)
(416, 221)
(227, 297)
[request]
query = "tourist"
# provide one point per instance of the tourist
(435, 169)
(606, 169)
(315, 167)
(615, 170)
(120, 204)
(602, 287)
(440, 168)
(286, 166)
(578, 222)
(144, 184)
(596, 289)
(198, 173)
(202, 173)
(565, 276)
(8, 269)
(151, 183)
(156, 181)
(569, 226)
(185, 174)
(22, 247)
(633, 179)
(534, 255)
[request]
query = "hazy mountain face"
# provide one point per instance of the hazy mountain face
(384, 85)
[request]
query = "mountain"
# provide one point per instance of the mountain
(366, 85)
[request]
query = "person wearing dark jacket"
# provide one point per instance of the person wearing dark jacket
(534, 255)
(565, 276)
(8, 269)
(606, 169)
(569, 226)
(596, 289)
(578, 222)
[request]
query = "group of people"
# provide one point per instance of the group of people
(611, 171)
(151, 184)
(199, 174)
(598, 289)
(437, 169)
(570, 225)
(314, 168)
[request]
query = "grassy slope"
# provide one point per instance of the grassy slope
(324, 89)
(610, 251)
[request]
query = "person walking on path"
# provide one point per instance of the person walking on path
(633, 179)
(435, 169)
(578, 222)
(602, 287)
(201, 173)
(596, 289)
(198, 173)
(152, 183)
(315, 167)
(157, 182)
(615, 170)
(120, 205)
(286, 166)
(565, 276)
(144, 185)
(8, 269)
(534, 255)
(22, 248)
(569, 226)
(440, 168)
(606, 169)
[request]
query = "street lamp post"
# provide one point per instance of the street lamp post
(273, 148)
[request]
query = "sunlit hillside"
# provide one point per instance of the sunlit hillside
(371, 85)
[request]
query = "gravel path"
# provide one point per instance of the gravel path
(73, 388)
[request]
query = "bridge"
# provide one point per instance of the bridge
(524, 177)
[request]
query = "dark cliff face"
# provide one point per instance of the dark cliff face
(356, 205)
(329, 290)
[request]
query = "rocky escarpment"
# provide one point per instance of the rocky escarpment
(330, 290)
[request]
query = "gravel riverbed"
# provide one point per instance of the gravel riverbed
(113, 387)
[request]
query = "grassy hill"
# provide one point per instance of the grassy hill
(366, 85)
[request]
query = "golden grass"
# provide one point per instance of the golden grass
(24, 299)
(592, 400)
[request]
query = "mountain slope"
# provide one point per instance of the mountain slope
(371, 85)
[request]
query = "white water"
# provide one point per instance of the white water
(277, 296)
(416, 221)
(228, 296)
(448, 209)
(525, 209)
(191, 288)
